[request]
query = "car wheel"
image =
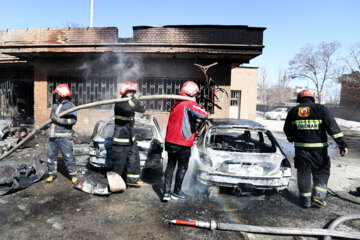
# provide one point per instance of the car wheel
(278, 118)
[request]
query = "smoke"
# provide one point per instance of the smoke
(125, 67)
(191, 184)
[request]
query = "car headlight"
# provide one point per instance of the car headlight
(205, 159)
(267, 166)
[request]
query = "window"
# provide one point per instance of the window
(85, 89)
(164, 86)
(240, 140)
(235, 98)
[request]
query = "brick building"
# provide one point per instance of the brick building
(350, 89)
(94, 62)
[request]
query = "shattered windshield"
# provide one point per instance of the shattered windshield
(241, 140)
(143, 132)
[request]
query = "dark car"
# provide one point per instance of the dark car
(148, 137)
(237, 153)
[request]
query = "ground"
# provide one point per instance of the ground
(58, 211)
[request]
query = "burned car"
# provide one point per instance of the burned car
(147, 134)
(240, 153)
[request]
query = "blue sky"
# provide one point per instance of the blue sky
(291, 25)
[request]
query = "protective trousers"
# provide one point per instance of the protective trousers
(181, 157)
(126, 160)
(65, 145)
(315, 162)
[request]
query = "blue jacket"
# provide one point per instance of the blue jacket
(64, 129)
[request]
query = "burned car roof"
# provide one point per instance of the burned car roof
(237, 122)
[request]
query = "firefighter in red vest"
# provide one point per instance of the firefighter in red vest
(307, 126)
(179, 139)
(125, 152)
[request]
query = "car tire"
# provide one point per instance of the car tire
(278, 118)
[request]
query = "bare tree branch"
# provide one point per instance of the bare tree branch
(315, 64)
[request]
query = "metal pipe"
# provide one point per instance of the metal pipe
(91, 13)
(89, 105)
(268, 230)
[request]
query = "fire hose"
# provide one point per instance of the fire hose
(327, 233)
(89, 105)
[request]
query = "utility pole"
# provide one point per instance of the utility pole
(91, 13)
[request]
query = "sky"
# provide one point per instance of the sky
(290, 25)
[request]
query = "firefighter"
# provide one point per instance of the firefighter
(180, 138)
(125, 151)
(60, 135)
(307, 126)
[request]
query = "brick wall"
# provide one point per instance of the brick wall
(350, 94)
(59, 35)
(198, 34)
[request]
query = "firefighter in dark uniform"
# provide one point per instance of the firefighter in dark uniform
(125, 153)
(60, 135)
(307, 126)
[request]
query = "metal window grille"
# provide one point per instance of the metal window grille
(7, 103)
(235, 98)
(164, 86)
(85, 89)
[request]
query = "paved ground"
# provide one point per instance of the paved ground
(58, 211)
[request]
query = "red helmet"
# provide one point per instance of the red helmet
(303, 94)
(189, 89)
(128, 86)
(63, 90)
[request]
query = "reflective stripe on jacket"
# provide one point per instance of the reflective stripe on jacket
(125, 119)
(182, 122)
(64, 128)
(308, 124)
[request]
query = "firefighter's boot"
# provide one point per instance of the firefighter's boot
(135, 184)
(50, 178)
(305, 200)
(74, 179)
(319, 195)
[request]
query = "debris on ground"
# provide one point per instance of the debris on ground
(15, 179)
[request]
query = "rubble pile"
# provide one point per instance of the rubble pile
(10, 136)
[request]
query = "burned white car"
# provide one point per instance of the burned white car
(239, 154)
(148, 137)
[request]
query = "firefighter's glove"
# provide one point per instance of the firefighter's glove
(343, 151)
(134, 100)
(55, 118)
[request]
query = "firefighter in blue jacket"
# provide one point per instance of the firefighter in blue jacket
(307, 126)
(60, 135)
(125, 153)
